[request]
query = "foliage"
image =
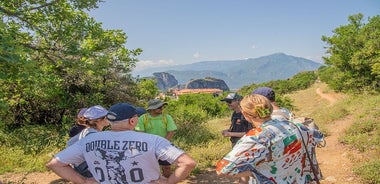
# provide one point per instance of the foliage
(190, 112)
(364, 134)
(354, 56)
(55, 59)
(299, 81)
(147, 88)
(33, 144)
(369, 171)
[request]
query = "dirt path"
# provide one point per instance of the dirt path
(334, 160)
(332, 100)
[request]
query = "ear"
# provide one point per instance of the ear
(132, 121)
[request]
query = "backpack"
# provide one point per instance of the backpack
(309, 122)
(306, 121)
(146, 121)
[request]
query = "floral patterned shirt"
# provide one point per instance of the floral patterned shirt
(274, 153)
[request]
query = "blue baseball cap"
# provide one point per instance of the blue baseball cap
(121, 111)
(140, 111)
(265, 91)
(95, 112)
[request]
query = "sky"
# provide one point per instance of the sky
(175, 32)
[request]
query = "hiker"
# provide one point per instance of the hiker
(95, 121)
(273, 152)
(239, 126)
(158, 123)
(80, 123)
(279, 113)
(122, 155)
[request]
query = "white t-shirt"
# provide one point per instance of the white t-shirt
(121, 157)
(79, 136)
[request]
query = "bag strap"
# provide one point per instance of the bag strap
(308, 156)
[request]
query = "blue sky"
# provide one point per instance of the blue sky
(173, 32)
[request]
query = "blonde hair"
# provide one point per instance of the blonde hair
(256, 106)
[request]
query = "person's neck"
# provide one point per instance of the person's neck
(275, 106)
(259, 122)
(117, 127)
(237, 110)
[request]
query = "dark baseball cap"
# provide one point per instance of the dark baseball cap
(121, 111)
(140, 111)
(265, 91)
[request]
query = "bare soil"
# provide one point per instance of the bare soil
(334, 160)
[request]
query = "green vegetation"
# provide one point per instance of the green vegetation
(55, 59)
(364, 135)
(353, 63)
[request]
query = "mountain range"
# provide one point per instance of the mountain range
(238, 73)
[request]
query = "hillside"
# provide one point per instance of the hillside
(238, 73)
(334, 155)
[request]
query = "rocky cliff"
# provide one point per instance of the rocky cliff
(165, 80)
(207, 82)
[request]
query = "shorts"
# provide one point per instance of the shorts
(163, 162)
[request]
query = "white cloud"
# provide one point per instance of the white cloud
(253, 47)
(196, 55)
(143, 64)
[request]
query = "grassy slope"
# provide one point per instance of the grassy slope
(363, 135)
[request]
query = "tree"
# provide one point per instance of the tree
(55, 59)
(147, 89)
(354, 55)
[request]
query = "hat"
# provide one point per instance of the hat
(81, 112)
(265, 91)
(140, 111)
(155, 104)
(121, 111)
(95, 112)
(232, 96)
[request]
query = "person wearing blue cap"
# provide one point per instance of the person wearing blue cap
(279, 113)
(122, 155)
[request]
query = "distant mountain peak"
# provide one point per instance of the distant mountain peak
(238, 73)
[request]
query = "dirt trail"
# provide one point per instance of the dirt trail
(334, 160)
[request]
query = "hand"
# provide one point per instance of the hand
(225, 133)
